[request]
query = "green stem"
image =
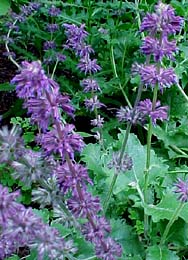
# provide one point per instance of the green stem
(116, 75)
(178, 171)
(170, 223)
(182, 91)
(148, 160)
(7, 47)
(54, 69)
(108, 197)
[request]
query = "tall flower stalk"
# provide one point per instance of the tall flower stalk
(43, 100)
(159, 26)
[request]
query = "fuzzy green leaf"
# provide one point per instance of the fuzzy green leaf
(4, 6)
(165, 209)
(155, 252)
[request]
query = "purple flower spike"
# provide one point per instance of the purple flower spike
(54, 11)
(111, 251)
(61, 141)
(159, 49)
(87, 65)
(76, 37)
(8, 206)
(52, 27)
(98, 122)
(129, 115)
(159, 112)
(90, 85)
(81, 208)
(95, 235)
(67, 181)
(93, 103)
(31, 81)
(182, 189)
(43, 111)
(151, 76)
(49, 45)
(164, 20)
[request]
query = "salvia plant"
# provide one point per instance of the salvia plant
(123, 194)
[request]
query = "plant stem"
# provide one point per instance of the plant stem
(148, 159)
(116, 75)
(170, 223)
(108, 197)
(128, 129)
(182, 91)
(7, 47)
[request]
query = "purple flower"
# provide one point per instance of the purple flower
(182, 189)
(93, 103)
(30, 168)
(60, 57)
(163, 20)
(54, 11)
(21, 227)
(87, 65)
(11, 144)
(76, 36)
(61, 141)
(49, 45)
(98, 122)
(151, 76)
(32, 81)
(158, 112)
(45, 110)
(81, 207)
(90, 85)
(67, 181)
(130, 115)
(52, 27)
(157, 48)
(126, 163)
(8, 206)
(95, 233)
(109, 251)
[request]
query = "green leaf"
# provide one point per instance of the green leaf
(125, 235)
(165, 209)
(92, 157)
(158, 253)
(6, 87)
(14, 257)
(4, 6)
(44, 214)
(63, 230)
(138, 154)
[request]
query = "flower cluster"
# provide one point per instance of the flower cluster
(159, 26)
(143, 110)
(21, 227)
(32, 84)
(159, 45)
(182, 190)
(76, 40)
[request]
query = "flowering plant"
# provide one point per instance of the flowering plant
(90, 199)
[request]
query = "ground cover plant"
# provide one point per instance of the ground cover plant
(94, 148)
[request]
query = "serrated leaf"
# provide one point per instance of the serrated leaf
(43, 213)
(63, 230)
(158, 253)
